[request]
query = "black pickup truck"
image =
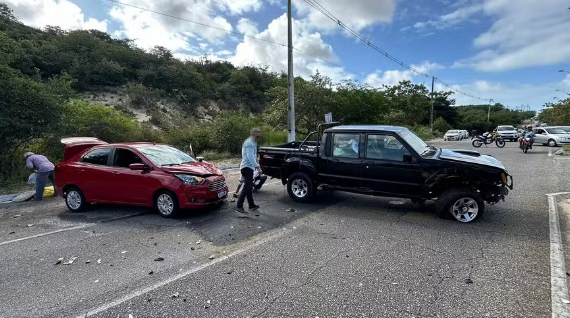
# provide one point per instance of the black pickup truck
(392, 162)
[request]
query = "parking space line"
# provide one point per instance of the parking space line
(182, 275)
(558, 282)
(77, 227)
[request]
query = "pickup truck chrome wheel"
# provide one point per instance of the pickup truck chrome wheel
(166, 204)
(299, 188)
(463, 203)
(465, 210)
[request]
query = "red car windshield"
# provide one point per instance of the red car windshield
(162, 155)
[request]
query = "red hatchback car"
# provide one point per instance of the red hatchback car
(143, 174)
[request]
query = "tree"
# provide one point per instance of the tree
(7, 13)
(440, 125)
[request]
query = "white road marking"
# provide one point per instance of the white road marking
(77, 227)
(558, 282)
(174, 278)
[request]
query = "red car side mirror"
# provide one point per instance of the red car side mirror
(138, 166)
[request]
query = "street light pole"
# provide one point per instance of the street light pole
(431, 107)
(291, 77)
(565, 92)
(489, 110)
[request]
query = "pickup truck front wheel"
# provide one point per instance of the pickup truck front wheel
(463, 204)
(300, 187)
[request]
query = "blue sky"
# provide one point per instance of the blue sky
(510, 51)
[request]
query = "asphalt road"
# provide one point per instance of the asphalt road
(343, 256)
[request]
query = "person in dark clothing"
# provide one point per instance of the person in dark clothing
(248, 166)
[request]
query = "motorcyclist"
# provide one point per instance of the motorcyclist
(528, 133)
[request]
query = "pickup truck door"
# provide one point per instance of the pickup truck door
(340, 163)
(389, 167)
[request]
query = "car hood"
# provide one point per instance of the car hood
(469, 156)
(203, 169)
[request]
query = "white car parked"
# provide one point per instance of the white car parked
(452, 135)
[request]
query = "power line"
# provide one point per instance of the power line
(315, 5)
(236, 33)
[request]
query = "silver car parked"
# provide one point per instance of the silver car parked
(551, 136)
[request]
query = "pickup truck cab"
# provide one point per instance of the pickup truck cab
(392, 162)
(507, 132)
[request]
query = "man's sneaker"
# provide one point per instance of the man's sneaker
(253, 208)
(241, 211)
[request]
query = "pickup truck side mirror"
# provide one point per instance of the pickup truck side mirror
(407, 158)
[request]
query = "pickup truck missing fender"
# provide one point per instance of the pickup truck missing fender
(389, 161)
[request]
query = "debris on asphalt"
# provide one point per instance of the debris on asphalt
(175, 295)
(257, 215)
(155, 244)
(259, 227)
(123, 252)
(99, 261)
(30, 225)
(212, 256)
(394, 283)
(208, 303)
(88, 261)
(59, 260)
(468, 281)
(230, 272)
(131, 316)
(159, 259)
(192, 248)
(12, 232)
(149, 299)
(151, 272)
(290, 210)
(294, 227)
(565, 301)
(97, 281)
(198, 242)
(16, 216)
(184, 300)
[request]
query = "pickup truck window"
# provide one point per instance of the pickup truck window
(385, 147)
(346, 145)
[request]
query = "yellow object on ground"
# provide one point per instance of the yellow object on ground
(48, 192)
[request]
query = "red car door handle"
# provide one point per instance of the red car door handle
(81, 170)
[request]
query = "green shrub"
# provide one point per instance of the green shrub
(566, 148)
(422, 132)
(440, 125)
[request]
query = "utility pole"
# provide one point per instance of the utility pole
(291, 77)
(431, 107)
(489, 111)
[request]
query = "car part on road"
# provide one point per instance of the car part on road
(300, 187)
(463, 204)
(75, 200)
(166, 204)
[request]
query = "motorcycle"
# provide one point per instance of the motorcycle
(487, 139)
(525, 144)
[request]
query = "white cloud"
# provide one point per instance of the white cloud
(247, 26)
(239, 6)
(256, 52)
(357, 16)
(525, 33)
(149, 29)
(451, 19)
(62, 13)
(510, 94)
(393, 77)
